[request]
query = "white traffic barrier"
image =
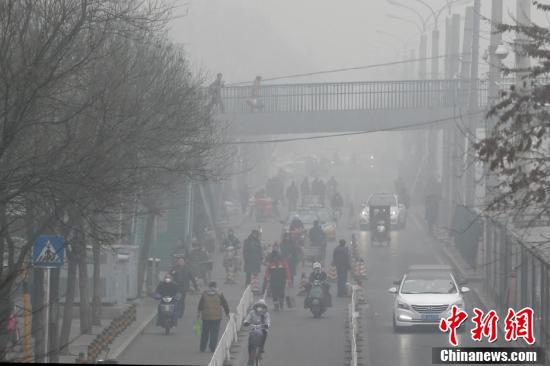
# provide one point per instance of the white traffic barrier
(222, 352)
(353, 326)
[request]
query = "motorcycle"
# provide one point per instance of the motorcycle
(316, 299)
(380, 225)
(167, 313)
(255, 338)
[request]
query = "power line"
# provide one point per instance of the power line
(364, 67)
(318, 137)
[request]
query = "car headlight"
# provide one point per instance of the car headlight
(403, 305)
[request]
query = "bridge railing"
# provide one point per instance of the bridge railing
(354, 95)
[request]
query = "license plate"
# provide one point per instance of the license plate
(430, 317)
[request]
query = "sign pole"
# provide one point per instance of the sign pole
(47, 315)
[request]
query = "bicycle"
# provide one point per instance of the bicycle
(255, 339)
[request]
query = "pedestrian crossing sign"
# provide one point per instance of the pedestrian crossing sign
(48, 251)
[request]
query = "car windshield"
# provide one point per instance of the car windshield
(428, 285)
(383, 200)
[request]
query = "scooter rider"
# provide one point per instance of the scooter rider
(318, 275)
(259, 316)
(166, 288)
(231, 240)
(183, 276)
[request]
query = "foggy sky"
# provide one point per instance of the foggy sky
(245, 38)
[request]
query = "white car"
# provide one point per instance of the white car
(398, 212)
(424, 295)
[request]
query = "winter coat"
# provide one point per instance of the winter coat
(252, 255)
(167, 289)
(211, 305)
(254, 318)
(183, 277)
(277, 272)
(340, 258)
(317, 236)
(231, 241)
(317, 276)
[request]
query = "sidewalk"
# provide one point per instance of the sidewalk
(145, 312)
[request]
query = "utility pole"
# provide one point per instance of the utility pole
(412, 70)
(447, 129)
(495, 40)
(473, 106)
(494, 74)
(464, 77)
(422, 56)
(454, 138)
(435, 53)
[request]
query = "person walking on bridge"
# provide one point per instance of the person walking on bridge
(254, 101)
(252, 255)
(215, 90)
(292, 196)
(210, 309)
(305, 191)
(341, 260)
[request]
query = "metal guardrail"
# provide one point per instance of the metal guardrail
(353, 326)
(373, 95)
(222, 351)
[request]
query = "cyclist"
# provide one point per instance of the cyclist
(258, 316)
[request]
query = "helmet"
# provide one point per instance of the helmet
(260, 305)
(316, 265)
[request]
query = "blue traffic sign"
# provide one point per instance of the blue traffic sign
(48, 251)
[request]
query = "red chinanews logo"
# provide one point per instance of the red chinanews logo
(516, 325)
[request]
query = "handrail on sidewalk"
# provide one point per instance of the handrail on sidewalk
(222, 352)
(353, 328)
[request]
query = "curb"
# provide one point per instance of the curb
(131, 337)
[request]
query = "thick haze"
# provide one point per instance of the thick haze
(244, 38)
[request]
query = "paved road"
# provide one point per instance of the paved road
(411, 348)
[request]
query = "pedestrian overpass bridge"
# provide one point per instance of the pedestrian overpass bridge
(347, 106)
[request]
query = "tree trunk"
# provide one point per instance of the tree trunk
(69, 303)
(38, 326)
(145, 250)
(6, 307)
(96, 291)
(53, 337)
(3, 232)
(85, 324)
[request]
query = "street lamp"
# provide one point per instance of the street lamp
(422, 47)
(435, 32)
